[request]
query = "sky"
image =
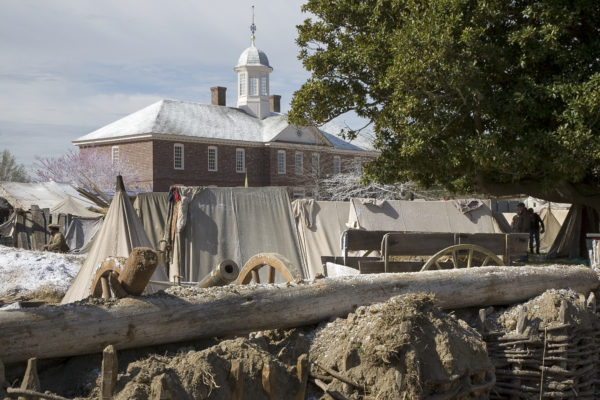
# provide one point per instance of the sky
(69, 67)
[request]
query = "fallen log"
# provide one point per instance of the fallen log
(72, 329)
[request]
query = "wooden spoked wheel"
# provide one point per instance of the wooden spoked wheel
(462, 256)
(102, 274)
(276, 264)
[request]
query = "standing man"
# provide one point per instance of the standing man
(57, 242)
(521, 221)
(534, 230)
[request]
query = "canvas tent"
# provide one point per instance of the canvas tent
(81, 233)
(213, 224)
(121, 231)
(471, 216)
(570, 241)
(42, 194)
(320, 225)
(70, 206)
(153, 210)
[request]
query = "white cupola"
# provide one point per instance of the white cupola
(253, 71)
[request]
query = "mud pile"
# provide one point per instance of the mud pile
(206, 374)
(403, 348)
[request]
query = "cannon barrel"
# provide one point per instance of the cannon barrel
(224, 273)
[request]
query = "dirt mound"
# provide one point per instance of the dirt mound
(403, 347)
(543, 311)
(206, 374)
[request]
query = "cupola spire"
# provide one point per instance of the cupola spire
(252, 27)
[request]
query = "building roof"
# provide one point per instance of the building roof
(181, 118)
(253, 56)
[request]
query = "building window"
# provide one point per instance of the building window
(253, 86)
(337, 165)
(263, 86)
(242, 84)
(281, 161)
(299, 163)
(240, 160)
(315, 164)
(298, 193)
(178, 156)
(115, 154)
(212, 158)
(357, 166)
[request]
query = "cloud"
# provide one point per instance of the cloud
(80, 64)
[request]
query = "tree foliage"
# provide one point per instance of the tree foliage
(498, 96)
(89, 169)
(11, 171)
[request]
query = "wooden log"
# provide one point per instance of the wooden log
(110, 370)
(67, 330)
(138, 269)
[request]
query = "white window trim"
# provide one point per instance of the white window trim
(337, 164)
(114, 159)
(299, 168)
(243, 152)
(264, 85)
(242, 84)
(357, 166)
(254, 86)
(282, 170)
(178, 146)
(315, 171)
(216, 168)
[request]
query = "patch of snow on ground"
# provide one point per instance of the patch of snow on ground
(25, 271)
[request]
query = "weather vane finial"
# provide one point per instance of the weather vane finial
(252, 27)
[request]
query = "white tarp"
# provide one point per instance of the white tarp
(43, 194)
(419, 216)
(232, 223)
(120, 233)
(320, 225)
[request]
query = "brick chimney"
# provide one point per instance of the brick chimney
(274, 103)
(217, 95)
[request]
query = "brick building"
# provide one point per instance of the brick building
(177, 142)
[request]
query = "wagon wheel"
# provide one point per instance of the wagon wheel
(462, 256)
(103, 272)
(274, 262)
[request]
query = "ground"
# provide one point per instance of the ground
(403, 348)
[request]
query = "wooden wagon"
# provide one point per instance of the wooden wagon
(417, 251)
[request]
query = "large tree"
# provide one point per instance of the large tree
(10, 170)
(496, 96)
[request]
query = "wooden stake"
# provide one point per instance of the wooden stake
(481, 324)
(522, 319)
(302, 372)
(31, 381)
(105, 288)
(269, 383)
(110, 369)
(115, 285)
(159, 388)
(236, 380)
